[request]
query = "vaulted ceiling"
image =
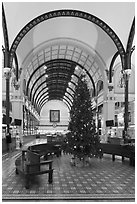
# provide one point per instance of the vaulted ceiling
(55, 52)
(53, 71)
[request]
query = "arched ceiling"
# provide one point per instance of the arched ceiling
(116, 14)
(52, 71)
(54, 53)
(69, 27)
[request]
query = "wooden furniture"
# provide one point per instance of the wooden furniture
(29, 165)
(115, 140)
(46, 149)
(124, 150)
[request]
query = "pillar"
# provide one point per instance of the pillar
(17, 110)
(108, 110)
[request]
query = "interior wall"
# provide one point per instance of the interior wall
(46, 125)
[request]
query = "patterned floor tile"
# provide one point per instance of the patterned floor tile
(103, 179)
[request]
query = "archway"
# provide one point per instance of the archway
(68, 13)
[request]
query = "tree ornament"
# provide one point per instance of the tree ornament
(83, 141)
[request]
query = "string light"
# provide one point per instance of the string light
(77, 67)
(45, 67)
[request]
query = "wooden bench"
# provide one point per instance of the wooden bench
(46, 149)
(29, 164)
(125, 150)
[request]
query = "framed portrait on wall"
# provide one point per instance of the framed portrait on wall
(54, 115)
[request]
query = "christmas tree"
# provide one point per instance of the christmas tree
(82, 140)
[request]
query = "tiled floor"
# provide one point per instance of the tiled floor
(102, 180)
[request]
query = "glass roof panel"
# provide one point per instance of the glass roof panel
(61, 74)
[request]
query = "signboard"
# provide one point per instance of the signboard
(54, 115)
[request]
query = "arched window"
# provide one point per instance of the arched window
(24, 86)
(99, 86)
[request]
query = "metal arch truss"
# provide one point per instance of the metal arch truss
(56, 97)
(60, 72)
(129, 46)
(68, 13)
(53, 94)
(131, 37)
(41, 95)
(50, 84)
(51, 65)
(60, 99)
(45, 87)
(5, 31)
(129, 51)
(54, 65)
(111, 66)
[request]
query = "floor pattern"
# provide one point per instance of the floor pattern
(101, 180)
